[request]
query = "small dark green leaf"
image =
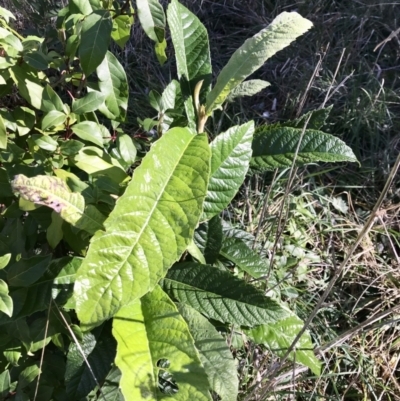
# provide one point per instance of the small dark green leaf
(208, 237)
(37, 60)
(95, 38)
(27, 271)
(91, 102)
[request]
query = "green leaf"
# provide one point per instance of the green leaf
(208, 237)
(143, 333)
(152, 18)
(4, 260)
(248, 88)
(244, 257)
(25, 119)
(4, 13)
(160, 48)
(89, 131)
(52, 119)
(113, 84)
(195, 252)
(121, 29)
(27, 271)
(95, 38)
(215, 355)
(80, 7)
(127, 148)
(221, 296)
(51, 101)
(231, 153)
(190, 40)
(3, 134)
(149, 228)
(254, 52)
(53, 192)
(44, 142)
(5, 382)
(5, 187)
(99, 349)
(316, 119)
(91, 102)
(99, 164)
(279, 336)
(275, 146)
(111, 390)
(54, 233)
(6, 302)
(37, 60)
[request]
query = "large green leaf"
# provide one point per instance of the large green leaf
(215, 355)
(275, 146)
(254, 52)
(113, 84)
(231, 153)
(53, 192)
(221, 296)
(244, 257)
(95, 38)
(149, 228)
(148, 332)
(279, 336)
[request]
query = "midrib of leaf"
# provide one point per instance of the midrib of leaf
(144, 226)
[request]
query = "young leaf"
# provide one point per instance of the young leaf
(53, 192)
(95, 38)
(149, 228)
(244, 257)
(231, 153)
(4, 260)
(221, 296)
(91, 102)
(6, 302)
(143, 333)
(127, 148)
(113, 84)
(254, 52)
(275, 146)
(248, 88)
(279, 336)
(121, 29)
(214, 353)
(208, 237)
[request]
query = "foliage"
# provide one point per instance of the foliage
(97, 225)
